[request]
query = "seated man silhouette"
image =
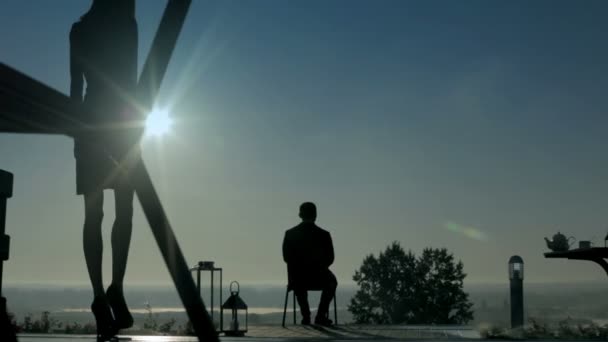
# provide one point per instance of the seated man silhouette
(308, 251)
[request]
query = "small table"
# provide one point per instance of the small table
(595, 254)
(209, 266)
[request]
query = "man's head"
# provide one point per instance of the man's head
(308, 212)
(114, 8)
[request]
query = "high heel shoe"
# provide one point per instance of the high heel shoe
(106, 329)
(123, 317)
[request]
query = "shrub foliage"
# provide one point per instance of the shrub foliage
(398, 288)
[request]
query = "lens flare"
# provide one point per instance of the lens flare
(158, 123)
(469, 232)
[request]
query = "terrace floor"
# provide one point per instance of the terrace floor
(276, 333)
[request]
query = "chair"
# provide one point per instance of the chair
(294, 304)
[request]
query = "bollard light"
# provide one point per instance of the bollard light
(516, 267)
(516, 277)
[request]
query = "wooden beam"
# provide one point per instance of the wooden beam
(30, 106)
(172, 254)
(160, 53)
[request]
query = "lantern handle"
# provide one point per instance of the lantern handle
(238, 287)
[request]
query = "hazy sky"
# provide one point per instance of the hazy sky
(403, 120)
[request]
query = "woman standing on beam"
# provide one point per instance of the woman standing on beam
(103, 53)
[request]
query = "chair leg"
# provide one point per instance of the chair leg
(335, 309)
(294, 308)
(285, 309)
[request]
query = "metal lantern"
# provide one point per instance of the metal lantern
(234, 303)
(211, 268)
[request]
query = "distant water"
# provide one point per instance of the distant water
(254, 310)
(89, 338)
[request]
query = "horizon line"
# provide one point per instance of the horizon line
(258, 285)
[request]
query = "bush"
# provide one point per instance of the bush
(397, 288)
(536, 330)
(167, 327)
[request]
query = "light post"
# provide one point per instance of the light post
(516, 278)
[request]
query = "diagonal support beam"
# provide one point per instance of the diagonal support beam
(148, 87)
(172, 254)
(160, 53)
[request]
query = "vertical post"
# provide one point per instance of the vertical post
(221, 302)
(212, 270)
(198, 279)
(516, 278)
(3, 249)
(6, 191)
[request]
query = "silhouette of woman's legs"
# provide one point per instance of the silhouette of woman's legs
(121, 234)
(121, 238)
(92, 239)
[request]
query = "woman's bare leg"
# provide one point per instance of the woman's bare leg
(92, 239)
(121, 234)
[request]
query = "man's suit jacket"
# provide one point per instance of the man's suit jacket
(308, 251)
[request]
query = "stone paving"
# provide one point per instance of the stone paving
(364, 332)
(291, 333)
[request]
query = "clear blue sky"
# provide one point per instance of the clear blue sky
(401, 119)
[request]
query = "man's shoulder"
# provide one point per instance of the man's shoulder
(294, 229)
(307, 229)
(323, 231)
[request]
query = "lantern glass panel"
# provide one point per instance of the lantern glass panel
(516, 271)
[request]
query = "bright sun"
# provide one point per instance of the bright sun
(158, 123)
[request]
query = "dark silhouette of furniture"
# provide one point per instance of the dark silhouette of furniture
(6, 192)
(29, 106)
(308, 288)
(595, 254)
